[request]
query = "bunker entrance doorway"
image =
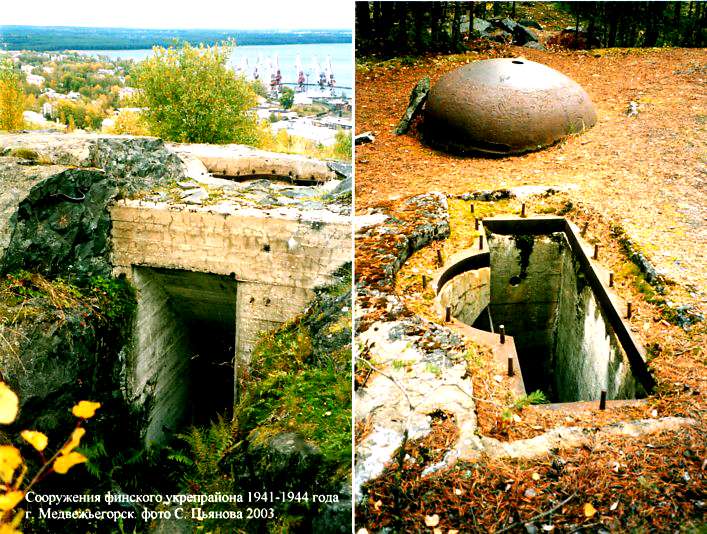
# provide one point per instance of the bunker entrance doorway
(570, 340)
(186, 345)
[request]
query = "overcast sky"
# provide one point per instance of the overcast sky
(178, 14)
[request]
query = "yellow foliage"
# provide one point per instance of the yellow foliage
(74, 441)
(129, 123)
(10, 460)
(10, 499)
(11, 527)
(66, 461)
(589, 510)
(9, 404)
(85, 409)
(38, 440)
(12, 99)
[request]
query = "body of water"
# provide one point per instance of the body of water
(314, 58)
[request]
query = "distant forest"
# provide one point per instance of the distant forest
(408, 28)
(41, 38)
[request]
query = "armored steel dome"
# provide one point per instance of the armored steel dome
(504, 106)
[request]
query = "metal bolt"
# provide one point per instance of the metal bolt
(522, 210)
(596, 252)
(481, 242)
(510, 366)
(424, 282)
(502, 332)
(602, 400)
(439, 258)
(611, 279)
(476, 223)
(471, 208)
(628, 310)
(584, 228)
(447, 314)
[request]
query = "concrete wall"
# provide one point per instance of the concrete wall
(564, 344)
(467, 295)
(528, 310)
(274, 257)
(158, 367)
(277, 260)
(587, 355)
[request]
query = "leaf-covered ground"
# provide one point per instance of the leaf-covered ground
(647, 172)
(644, 176)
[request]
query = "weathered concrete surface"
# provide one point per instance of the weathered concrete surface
(418, 382)
(243, 161)
(569, 438)
(157, 370)
(467, 294)
(525, 290)
(587, 355)
(276, 256)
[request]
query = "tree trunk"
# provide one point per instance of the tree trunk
(401, 9)
(386, 28)
(363, 21)
(456, 27)
(420, 28)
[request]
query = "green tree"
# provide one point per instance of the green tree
(12, 98)
(287, 98)
(190, 95)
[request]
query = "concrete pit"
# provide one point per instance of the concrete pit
(536, 279)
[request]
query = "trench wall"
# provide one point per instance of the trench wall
(528, 310)
(158, 376)
(587, 355)
(556, 321)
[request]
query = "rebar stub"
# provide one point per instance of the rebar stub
(504, 106)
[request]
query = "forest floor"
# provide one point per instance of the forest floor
(645, 174)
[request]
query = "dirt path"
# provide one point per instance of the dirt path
(648, 173)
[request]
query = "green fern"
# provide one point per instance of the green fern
(536, 397)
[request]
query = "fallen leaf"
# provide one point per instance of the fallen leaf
(458, 491)
(10, 499)
(432, 520)
(535, 476)
(9, 404)
(66, 461)
(85, 409)
(614, 506)
(38, 440)
(377, 505)
(589, 510)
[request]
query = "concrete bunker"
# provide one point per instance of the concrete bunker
(535, 278)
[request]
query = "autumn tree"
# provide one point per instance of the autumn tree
(190, 95)
(12, 98)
